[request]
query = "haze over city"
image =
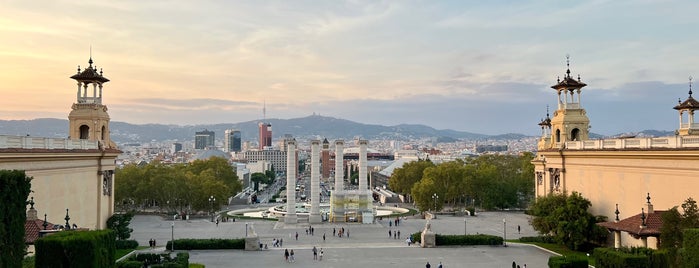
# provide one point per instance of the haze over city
(464, 65)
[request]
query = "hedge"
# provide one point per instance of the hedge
(126, 244)
(156, 261)
(461, 240)
(567, 262)
(76, 249)
(129, 264)
(632, 257)
(468, 240)
(191, 244)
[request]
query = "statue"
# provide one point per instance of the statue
(428, 226)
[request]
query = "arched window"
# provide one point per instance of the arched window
(84, 132)
(104, 131)
(575, 134)
(558, 135)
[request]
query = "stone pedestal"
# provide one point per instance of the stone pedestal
(428, 239)
(252, 243)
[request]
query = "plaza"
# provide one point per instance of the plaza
(368, 245)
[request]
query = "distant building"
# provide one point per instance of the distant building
(276, 157)
(232, 141)
(176, 147)
(265, 135)
(204, 139)
(325, 163)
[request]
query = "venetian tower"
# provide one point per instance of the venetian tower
(89, 119)
(687, 123)
(569, 122)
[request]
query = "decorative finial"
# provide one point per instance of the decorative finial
(100, 71)
(78, 68)
(31, 203)
(617, 212)
(643, 218)
(547, 111)
(46, 224)
(558, 79)
(568, 65)
(690, 85)
(90, 62)
(67, 218)
(648, 198)
(578, 77)
(679, 100)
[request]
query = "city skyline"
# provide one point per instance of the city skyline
(468, 66)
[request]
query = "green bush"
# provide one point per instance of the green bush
(196, 265)
(632, 257)
(149, 258)
(416, 237)
(567, 262)
(76, 249)
(129, 264)
(190, 244)
(690, 245)
(467, 240)
(538, 239)
(126, 244)
(14, 190)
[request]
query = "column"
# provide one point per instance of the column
(315, 182)
(617, 239)
(291, 182)
(79, 89)
(362, 165)
(339, 159)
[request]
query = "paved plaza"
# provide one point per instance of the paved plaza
(368, 245)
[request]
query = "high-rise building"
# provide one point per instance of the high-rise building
(176, 147)
(265, 135)
(232, 142)
(204, 139)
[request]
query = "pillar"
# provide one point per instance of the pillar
(339, 159)
(617, 239)
(362, 165)
(315, 182)
(291, 183)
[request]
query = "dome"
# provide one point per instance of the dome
(206, 154)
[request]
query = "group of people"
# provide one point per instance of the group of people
(342, 232)
(396, 234)
(151, 243)
(277, 242)
(317, 254)
(428, 265)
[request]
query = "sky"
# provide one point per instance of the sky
(476, 66)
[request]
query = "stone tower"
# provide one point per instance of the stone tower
(89, 119)
(569, 122)
(687, 123)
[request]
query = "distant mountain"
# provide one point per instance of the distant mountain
(314, 126)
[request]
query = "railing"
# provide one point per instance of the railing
(28, 142)
(635, 143)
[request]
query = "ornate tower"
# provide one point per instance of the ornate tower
(570, 122)
(89, 119)
(687, 125)
(545, 124)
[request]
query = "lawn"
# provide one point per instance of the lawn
(122, 252)
(560, 249)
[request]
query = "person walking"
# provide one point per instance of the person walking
(389, 233)
(286, 255)
(519, 229)
(315, 253)
(323, 237)
(398, 234)
(321, 256)
(440, 265)
(428, 265)
(291, 256)
(297, 236)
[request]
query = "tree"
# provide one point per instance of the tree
(14, 190)
(565, 217)
(674, 223)
(403, 178)
(119, 223)
(258, 178)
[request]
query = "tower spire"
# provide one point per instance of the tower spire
(264, 110)
(690, 85)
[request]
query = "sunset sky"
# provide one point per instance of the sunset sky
(478, 66)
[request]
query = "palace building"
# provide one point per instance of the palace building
(73, 178)
(619, 176)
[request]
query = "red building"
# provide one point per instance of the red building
(265, 135)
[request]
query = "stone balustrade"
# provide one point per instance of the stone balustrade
(29, 142)
(674, 142)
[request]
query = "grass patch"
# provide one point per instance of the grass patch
(196, 265)
(122, 252)
(560, 249)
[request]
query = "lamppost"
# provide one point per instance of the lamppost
(465, 226)
(172, 239)
(246, 229)
(504, 231)
(212, 199)
(434, 198)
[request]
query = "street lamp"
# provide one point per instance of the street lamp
(434, 198)
(465, 226)
(504, 231)
(212, 199)
(172, 239)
